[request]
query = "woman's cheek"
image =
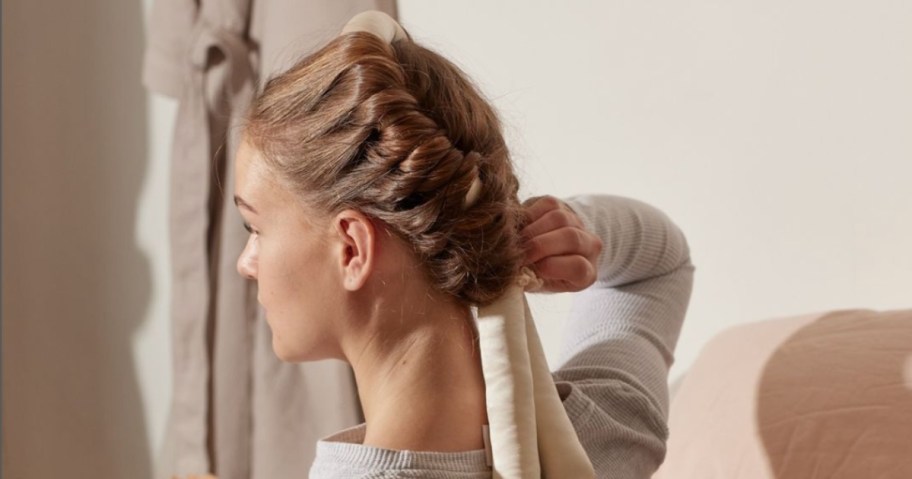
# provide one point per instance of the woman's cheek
(273, 269)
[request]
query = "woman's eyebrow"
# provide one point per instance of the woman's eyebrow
(241, 203)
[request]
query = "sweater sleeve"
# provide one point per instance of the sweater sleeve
(619, 340)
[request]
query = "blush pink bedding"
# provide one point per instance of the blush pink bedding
(826, 395)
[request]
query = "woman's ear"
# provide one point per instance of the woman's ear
(358, 240)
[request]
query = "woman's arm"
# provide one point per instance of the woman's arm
(621, 334)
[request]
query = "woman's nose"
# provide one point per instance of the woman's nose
(246, 263)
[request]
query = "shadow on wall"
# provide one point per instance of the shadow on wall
(75, 284)
(833, 401)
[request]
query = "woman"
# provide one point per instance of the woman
(382, 206)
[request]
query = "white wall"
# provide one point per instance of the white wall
(776, 134)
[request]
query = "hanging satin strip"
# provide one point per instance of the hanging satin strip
(531, 434)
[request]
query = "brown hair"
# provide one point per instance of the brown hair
(398, 132)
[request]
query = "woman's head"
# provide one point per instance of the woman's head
(392, 135)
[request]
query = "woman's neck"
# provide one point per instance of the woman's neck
(420, 380)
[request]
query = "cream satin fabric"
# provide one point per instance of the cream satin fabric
(531, 434)
(378, 23)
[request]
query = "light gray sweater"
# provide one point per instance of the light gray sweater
(613, 368)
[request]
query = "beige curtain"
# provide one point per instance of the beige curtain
(236, 411)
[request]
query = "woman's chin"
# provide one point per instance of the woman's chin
(296, 354)
(283, 353)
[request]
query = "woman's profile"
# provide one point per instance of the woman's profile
(382, 207)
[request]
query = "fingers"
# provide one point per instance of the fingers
(550, 221)
(558, 246)
(562, 241)
(568, 273)
(537, 206)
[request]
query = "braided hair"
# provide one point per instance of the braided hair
(399, 133)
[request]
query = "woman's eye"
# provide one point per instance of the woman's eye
(248, 228)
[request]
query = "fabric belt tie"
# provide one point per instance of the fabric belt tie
(214, 84)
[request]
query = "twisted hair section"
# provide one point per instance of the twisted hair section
(399, 133)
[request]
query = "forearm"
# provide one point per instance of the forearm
(640, 241)
(626, 325)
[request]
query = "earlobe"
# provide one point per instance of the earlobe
(358, 239)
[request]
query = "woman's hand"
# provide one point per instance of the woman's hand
(558, 247)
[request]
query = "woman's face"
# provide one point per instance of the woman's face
(288, 256)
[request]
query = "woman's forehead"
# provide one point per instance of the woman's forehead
(253, 184)
(257, 187)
